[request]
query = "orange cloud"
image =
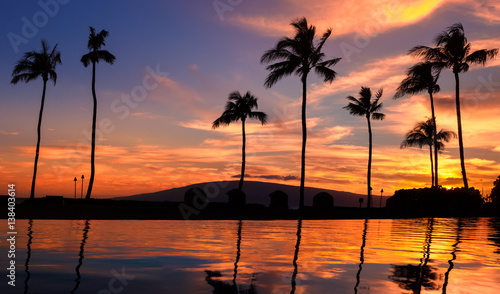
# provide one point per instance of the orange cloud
(378, 16)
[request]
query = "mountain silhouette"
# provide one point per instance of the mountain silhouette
(256, 192)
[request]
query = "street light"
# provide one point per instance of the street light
(381, 191)
(81, 195)
(75, 187)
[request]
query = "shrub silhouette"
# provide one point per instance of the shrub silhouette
(279, 200)
(323, 201)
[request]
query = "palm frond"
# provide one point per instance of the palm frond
(260, 116)
(106, 56)
(239, 107)
(327, 73)
(378, 116)
(355, 109)
(481, 56)
(36, 64)
(277, 75)
(225, 119)
(298, 55)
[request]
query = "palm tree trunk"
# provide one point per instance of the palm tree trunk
(240, 186)
(432, 168)
(369, 204)
(435, 177)
(304, 139)
(460, 138)
(32, 194)
(92, 153)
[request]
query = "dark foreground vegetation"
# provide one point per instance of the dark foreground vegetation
(407, 203)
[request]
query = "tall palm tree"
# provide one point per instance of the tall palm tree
(422, 77)
(364, 106)
(300, 55)
(240, 108)
(96, 41)
(423, 135)
(36, 64)
(453, 51)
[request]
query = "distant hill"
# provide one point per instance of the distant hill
(257, 192)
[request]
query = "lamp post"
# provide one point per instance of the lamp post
(75, 187)
(381, 192)
(81, 195)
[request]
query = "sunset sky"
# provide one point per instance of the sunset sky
(176, 63)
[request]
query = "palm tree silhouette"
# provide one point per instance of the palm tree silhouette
(422, 77)
(423, 134)
(36, 64)
(364, 106)
(96, 41)
(240, 108)
(299, 55)
(452, 51)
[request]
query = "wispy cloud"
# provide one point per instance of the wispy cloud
(2, 132)
(378, 16)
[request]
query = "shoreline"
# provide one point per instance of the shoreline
(107, 209)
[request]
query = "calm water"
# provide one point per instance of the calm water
(311, 256)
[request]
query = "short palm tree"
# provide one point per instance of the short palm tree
(364, 106)
(36, 64)
(423, 135)
(300, 55)
(240, 108)
(95, 42)
(453, 51)
(422, 77)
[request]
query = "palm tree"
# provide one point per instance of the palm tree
(423, 135)
(364, 106)
(453, 51)
(299, 55)
(96, 41)
(240, 108)
(422, 77)
(36, 64)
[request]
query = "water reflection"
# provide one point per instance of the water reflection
(335, 256)
(494, 236)
(361, 256)
(296, 256)
(238, 252)
(453, 254)
(28, 255)
(80, 256)
(221, 287)
(412, 277)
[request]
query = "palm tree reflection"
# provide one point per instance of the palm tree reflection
(411, 277)
(361, 256)
(28, 255)
(221, 287)
(453, 254)
(80, 255)
(238, 252)
(296, 256)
